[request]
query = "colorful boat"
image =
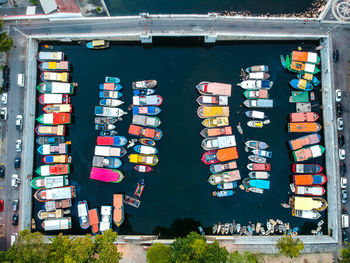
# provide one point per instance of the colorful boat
(207, 100)
(262, 153)
(258, 103)
(213, 111)
(143, 159)
(145, 149)
(302, 67)
(112, 80)
(223, 193)
(220, 167)
(299, 97)
(307, 214)
(146, 120)
(59, 193)
(152, 133)
(220, 155)
(303, 117)
(253, 144)
(108, 151)
(259, 68)
(143, 168)
(303, 56)
(56, 87)
(83, 214)
(50, 140)
(224, 177)
(132, 201)
(144, 84)
(59, 158)
(144, 92)
(112, 140)
(118, 212)
(308, 153)
(257, 159)
(220, 142)
(301, 84)
(303, 141)
(304, 127)
(110, 86)
(46, 149)
(255, 124)
(104, 127)
(211, 132)
(98, 44)
(43, 130)
(49, 181)
(254, 75)
(307, 203)
(109, 111)
(54, 99)
(58, 213)
(227, 186)
(283, 61)
(306, 168)
(111, 102)
(259, 167)
(309, 77)
(147, 142)
(54, 66)
(106, 218)
(214, 88)
(55, 169)
(106, 162)
(309, 179)
(53, 205)
(253, 114)
(107, 94)
(256, 94)
(259, 175)
(54, 76)
(94, 221)
(54, 118)
(106, 175)
(256, 84)
(55, 224)
(256, 183)
(139, 189)
(50, 56)
(215, 122)
(307, 190)
(56, 108)
(105, 120)
(147, 110)
(152, 100)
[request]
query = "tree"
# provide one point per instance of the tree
(246, 257)
(216, 254)
(6, 42)
(106, 250)
(345, 254)
(158, 253)
(34, 2)
(290, 247)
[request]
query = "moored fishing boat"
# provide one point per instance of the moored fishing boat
(262, 153)
(307, 203)
(83, 214)
(283, 61)
(220, 142)
(106, 162)
(49, 181)
(223, 193)
(59, 158)
(98, 44)
(62, 223)
(302, 67)
(145, 149)
(256, 94)
(207, 100)
(109, 111)
(309, 179)
(56, 88)
(259, 175)
(310, 57)
(151, 100)
(309, 77)
(257, 159)
(259, 166)
(253, 144)
(256, 183)
(152, 133)
(220, 167)
(46, 149)
(307, 190)
(255, 124)
(143, 159)
(144, 92)
(110, 86)
(50, 56)
(54, 66)
(108, 94)
(307, 214)
(139, 188)
(213, 122)
(220, 155)
(254, 114)
(111, 102)
(254, 75)
(118, 212)
(258, 68)
(54, 118)
(105, 120)
(104, 127)
(227, 186)
(106, 175)
(256, 84)
(210, 132)
(106, 218)
(58, 213)
(300, 97)
(308, 153)
(50, 140)
(306, 168)
(144, 84)
(304, 141)
(239, 128)
(145, 120)
(132, 201)
(148, 142)
(112, 80)
(54, 169)
(108, 151)
(94, 221)
(53, 205)
(304, 127)
(54, 99)
(143, 168)
(224, 177)
(43, 130)
(147, 110)
(258, 103)
(57, 108)
(301, 84)
(59, 193)
(213, 111)
(54, 76)
(214, 88)
(303, 117)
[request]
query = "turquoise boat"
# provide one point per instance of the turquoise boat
(301, 84)
(223, 193)
(256, 183)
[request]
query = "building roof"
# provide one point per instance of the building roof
(48, 6)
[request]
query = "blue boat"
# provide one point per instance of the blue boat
(83, 214)
(283, 61)
(116, 87)
(227, 186)
(139, 92)
(301, 84)
(200, 229)
(145, 149)
(50, 140)
(108, 94)
(223, 193)
(315, 81)
(147, 110)
(112, 80)
(257, 183)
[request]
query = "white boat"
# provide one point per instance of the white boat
(254, 114)
(63, 223)
(256, 84)
(259, 175)
(109, 112)
(257, 159)
(145, 120)
(255, 124)
(307, 190)
(307, 214)
(111, 102)
(106, 218)
(108, 151)
(146, 149)
(259, 103)
(219, 142)
(50, 56)
(254, 75)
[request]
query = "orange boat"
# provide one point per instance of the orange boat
(118, 213)
(221, 155)
(310, 57)
(309, 179)
(207, 132)
(303, 117)
(94, 220)
(304, 141)
(303, 67)
(304, 127)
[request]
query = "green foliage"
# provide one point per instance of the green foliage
(105, 248)
(98, 9)
(216, 254)
(246, 257)
(345, 254)
(1, 23)
(34, 2)
(6, 42)
(158, 253)
(290, 247)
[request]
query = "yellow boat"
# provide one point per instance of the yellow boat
(54, 76)
(215, 122)
(215, 111)
(143, 159)
(307, 203)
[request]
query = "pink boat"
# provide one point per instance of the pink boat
(303, 117)
(214, 88)
(106, 175)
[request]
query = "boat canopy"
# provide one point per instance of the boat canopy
(310, 57)
(306, 203)
(106, 175)
(98, 43)
(82, 210)
(52, 98)
(216, 131)
(219, 89)
(45, 55)
(59, 193)
(227, 154)
(262, 184)
(223, 141)
(57, 224)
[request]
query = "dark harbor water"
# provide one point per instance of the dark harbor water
(177, 197)
(134, 7)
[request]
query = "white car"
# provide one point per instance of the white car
(341, 154)
(3, 113)
(19, 124)
(15, 181)
(18, 145)
(340, 124)
(337, 95)
(343, 182)
(4, 98)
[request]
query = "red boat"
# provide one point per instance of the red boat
(139, 189)
(259, 166)
(152, 133)
(303, 117)
(220, 155)
(143, 168)
(210, 132)
(54, 99)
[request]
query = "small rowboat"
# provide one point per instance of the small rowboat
(223, 193)
(143, 168)
(256, 145)
(257, 159)
(147, 142)
(255, 124)
(259, 68)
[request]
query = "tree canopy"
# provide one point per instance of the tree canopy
(158, 253)
(345, 254)
(290, 247)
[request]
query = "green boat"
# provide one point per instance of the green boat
(299, 97)
(49, 181)
(56, 87)
(308, 153)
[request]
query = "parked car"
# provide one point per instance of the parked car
(15, 204)
(343, 182)
(19, 145)
(344, 196)
(340, 124)
(5, 85)
(345, 236)
(341, 154)
(19, 123)
(17, 162)
(4, 98)
(339, 108)
(6, 73)
(15, 181)
(342, 168)
(2, 172)
(340, 140)
(3, 113)
(335, 55)
(338, 95)
(1, 205)
(15, 220)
